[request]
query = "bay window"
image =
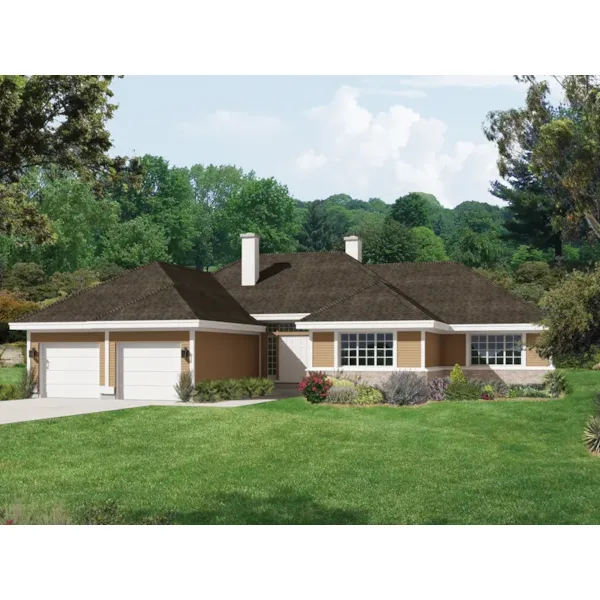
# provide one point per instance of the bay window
(367, 350)
(496, 349)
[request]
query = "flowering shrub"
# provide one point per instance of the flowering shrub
(436, 388)
(315, 387)
(487, 392)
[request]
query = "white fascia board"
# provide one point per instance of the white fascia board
(137, 326)
(276, 317)
(372, 325)
(499, 327)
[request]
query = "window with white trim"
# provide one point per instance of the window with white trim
(496, 349)
(367, 349)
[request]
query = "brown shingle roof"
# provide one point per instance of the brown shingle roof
(297, 282)
(158, 291)
(376, 302)
(457, 293)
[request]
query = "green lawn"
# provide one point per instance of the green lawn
(10, 374)
(288, 462)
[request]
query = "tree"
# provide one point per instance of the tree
(265, 207)
(64, 284)
(559, 144)
(429, 246)
(475, 249)
(524, 254)
(571, 312)
(134, 243)
(28, 281)
(388, 243)
(411, 210)
(12, 308)
(48, 120)
(316, 233)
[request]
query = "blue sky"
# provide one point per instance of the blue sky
(366, 136)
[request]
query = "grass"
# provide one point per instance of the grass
(289, 462)
(10, 374)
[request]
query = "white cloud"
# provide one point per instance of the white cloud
(393, 152)
(386, 92)
(231, 123)
(310, 160)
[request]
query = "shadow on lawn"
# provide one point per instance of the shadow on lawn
(283, 508)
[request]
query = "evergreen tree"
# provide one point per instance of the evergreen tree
(316, 234)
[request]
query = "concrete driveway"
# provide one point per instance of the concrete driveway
(35, 409)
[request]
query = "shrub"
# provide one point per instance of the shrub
(315, 386)
(403, 388)
(250, 386)
(501, 389)
(229, 389)
(527, 391)
(27, 383)
(591, 435)
(341, 382)
(184, 388)
(463, 390)
(487, 392)
(457, 375)
(436, 388)
(207, 391)
(556, 383)
(367, 395)
(10, 391)
(266, 386)
(342, 395)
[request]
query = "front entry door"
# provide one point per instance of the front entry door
(293, 357)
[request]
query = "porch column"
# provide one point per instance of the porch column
(192, 353)
(422, 349)
(27, 349)
(106, 359)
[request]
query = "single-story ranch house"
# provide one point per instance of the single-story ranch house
(277, 316)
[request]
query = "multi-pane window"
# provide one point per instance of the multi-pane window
(367, 350)
(271, 356)
(496, 349)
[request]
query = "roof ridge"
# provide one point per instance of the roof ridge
(400, 293)
(142, 297)
(342, 299)
(84, 290)
(421, 262)
(295, 252)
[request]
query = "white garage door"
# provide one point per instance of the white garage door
(149, 370)
(71, 370)
(293, 357)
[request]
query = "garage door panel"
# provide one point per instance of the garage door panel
(72, 377)
(156, 351)
(72, 370)
(145, 365)
(157, 378)
(83, 363)
(150, 370)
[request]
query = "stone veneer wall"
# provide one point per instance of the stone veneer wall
(508, 376)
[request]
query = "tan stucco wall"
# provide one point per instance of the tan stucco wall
(323, 349)
(533, 358)
(409, 349)
(433, 350)
(453, 350)
(220, 355)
